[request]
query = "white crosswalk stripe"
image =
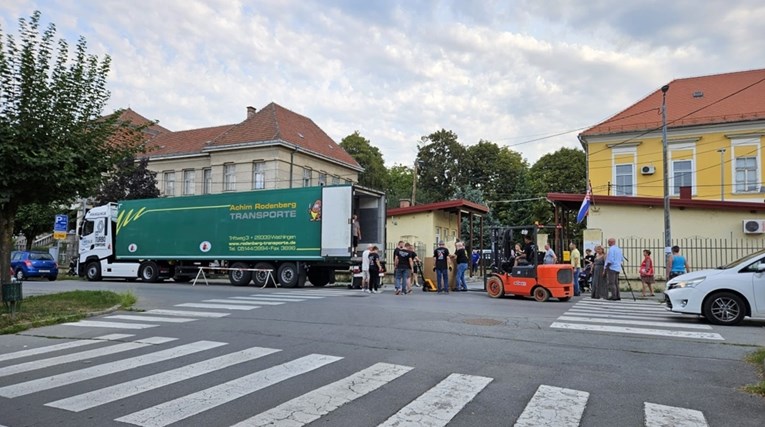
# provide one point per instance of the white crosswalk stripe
(192, 404)
(554, 407)
(632, 318)
(112, 325)
(150, 318)
(234, 301)
(270, 298)
(437, 406)
(189, 313)
(222, 306)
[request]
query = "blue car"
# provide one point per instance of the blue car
(26, 264)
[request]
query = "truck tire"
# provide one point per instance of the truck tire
(149, 272)
(239, 277)
(318, 276)
(260, 278)
(93, 271)
(287, 275)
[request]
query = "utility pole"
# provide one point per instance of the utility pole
(667, 230)
(414, 182)
(722, 174)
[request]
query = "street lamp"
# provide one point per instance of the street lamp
(722, 173)
(667, 230)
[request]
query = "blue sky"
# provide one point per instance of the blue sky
(503, 71)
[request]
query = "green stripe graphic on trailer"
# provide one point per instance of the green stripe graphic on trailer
(248, 225)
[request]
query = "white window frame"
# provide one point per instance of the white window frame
(675, 188)
(258, 175)
(207, 180)
(753, 142)
(168, 182)
(621, 151)
(307, 175)
(322, 178)
(229, 177)
(189, 184)
(335, 180)
(619, 190)
(682, 145)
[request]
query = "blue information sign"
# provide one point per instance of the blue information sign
(60, 227)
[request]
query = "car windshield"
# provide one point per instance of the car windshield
(744, 260)
(37, 256)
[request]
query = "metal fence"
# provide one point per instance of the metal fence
(700, 252)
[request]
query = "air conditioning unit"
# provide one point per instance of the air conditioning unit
(754, 226)
(647, 170)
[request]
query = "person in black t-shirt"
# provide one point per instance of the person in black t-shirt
(441, 254)
(462, 266)
(403, 260)
(374, 270)
(529, 252)
(415, 259)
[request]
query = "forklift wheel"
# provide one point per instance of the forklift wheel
(541, 294)
(495, 287)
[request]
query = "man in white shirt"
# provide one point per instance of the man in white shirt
(365, 269)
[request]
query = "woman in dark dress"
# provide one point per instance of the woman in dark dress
(599, 289)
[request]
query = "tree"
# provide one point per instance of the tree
(35, 219)
(55, 142)
(438, 166)
(369, 157)
(129, 180)
(399, 185)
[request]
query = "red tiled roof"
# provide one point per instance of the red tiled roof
(449, 205)
(186, 141)
(128, 115)
(719, 98)
(574, 201)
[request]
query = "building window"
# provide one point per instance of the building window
(746, 174)
(322, 178)
(335, 180)
(207, 176)
(306, 177)
(682, 175)
(624, 180)
(169, 180)
(258, 175)
(229, 177)
(188, 182)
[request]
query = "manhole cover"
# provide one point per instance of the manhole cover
(483, 322)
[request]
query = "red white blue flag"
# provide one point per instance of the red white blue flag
(585, 208)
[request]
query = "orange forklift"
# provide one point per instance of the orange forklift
(524, 274)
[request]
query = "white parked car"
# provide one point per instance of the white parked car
(725, 295)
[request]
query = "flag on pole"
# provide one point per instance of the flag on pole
(585, 208)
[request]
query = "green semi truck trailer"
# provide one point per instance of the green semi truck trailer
(295, 234)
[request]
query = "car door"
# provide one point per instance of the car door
(758, 287)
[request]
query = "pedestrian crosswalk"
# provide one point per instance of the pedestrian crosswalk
(215, 308)
(632, 318)
(440, 400)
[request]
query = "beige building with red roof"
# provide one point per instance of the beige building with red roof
(271, 148)
(715, 130)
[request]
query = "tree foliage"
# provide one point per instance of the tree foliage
(129, 180)
(35, 219)
(438, 166)
(369, 157)
(399, 185)
(55, 143)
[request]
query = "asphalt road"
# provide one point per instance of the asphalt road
(336, 357)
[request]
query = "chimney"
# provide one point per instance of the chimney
(404, 203)
(251, 111)
(685, 193)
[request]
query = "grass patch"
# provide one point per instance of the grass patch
(43, 310)
(757, 358)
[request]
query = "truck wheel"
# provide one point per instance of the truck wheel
(149, 272)
(287, 275)
(318, 276)
(260, 278)
(495, 287)
(541, 294)
(239, 277)
(93, 271)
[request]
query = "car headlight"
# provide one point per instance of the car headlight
(692, 283)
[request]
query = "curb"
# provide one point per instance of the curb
(102, 312)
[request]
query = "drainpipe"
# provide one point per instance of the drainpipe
(292, 163)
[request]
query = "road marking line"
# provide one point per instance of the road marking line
(437, 406)
(656, 308)
(53, 381)
(633, 322)
(151, 318)
(669, 416)
(115, 325)
(228, 301)
(317, 403)
(554, 407)
(62, 346)
(269, 298)
(675, 320)
(183, 407)
(187, 313)
(302, 296)
(639, 331)
(140, 385)
(223, 306)
(87, 354)
(318, 293)
(623, 311)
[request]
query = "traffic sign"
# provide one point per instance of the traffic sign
(60, 226)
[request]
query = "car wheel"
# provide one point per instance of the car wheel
(20, 274)
(541, 294)
(724, 308)
(495, 287)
